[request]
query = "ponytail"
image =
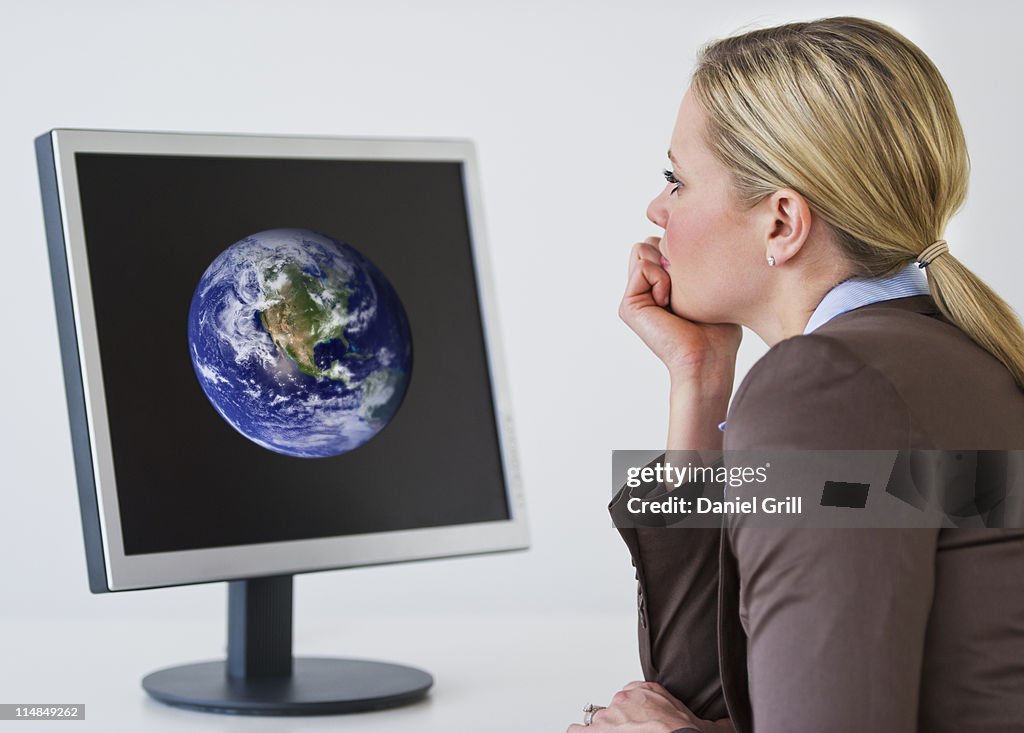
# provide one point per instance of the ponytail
(973, 306)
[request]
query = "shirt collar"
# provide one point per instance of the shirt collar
(859, 291)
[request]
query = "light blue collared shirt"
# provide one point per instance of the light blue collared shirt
(859, 291)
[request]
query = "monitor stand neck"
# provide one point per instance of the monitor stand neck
(260, 627)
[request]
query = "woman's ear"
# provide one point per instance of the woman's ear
(788, 224)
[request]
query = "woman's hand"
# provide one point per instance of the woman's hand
(647, 707)
(690, 350)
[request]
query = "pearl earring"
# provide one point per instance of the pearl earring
(771, 261)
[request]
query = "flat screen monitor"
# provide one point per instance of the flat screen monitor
(281, 356)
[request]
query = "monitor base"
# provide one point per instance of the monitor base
(317, 686)
(260, 676)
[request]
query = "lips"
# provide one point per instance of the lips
(664, 263)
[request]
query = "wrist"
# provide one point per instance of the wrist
(710, 382)
(703, 398)
(695, 412)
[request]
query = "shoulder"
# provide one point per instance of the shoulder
(815, 391)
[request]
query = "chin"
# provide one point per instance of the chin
(692, 312)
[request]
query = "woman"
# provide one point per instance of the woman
(814, 167)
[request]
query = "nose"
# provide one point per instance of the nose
(657, 211)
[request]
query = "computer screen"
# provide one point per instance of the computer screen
(281, 353)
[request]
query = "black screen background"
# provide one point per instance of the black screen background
(185, 478)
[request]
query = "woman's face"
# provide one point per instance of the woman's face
(710, 246)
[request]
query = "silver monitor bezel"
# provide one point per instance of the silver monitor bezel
(273, 558)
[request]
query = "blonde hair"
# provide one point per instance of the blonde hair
(858, 120)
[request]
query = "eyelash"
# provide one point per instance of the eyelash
(671, 178)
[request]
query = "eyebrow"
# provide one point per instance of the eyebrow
(670, 157)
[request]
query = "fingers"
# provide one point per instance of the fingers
(646, 275)
(656, 688)
(645, 250)
(626, 693)
(576, 727)
(639, 294)
(649, 278)
(639, 702)
(643, 683)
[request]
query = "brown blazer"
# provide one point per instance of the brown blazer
(818, 630)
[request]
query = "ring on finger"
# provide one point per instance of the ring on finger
(589, 711)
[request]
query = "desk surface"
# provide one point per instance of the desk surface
(505, 673)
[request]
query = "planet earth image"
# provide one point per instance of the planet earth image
(300, 343)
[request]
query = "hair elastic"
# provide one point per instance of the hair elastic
(932, 251)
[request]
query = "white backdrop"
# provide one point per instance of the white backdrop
(571, 105)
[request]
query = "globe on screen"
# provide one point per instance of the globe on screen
(300, 343)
